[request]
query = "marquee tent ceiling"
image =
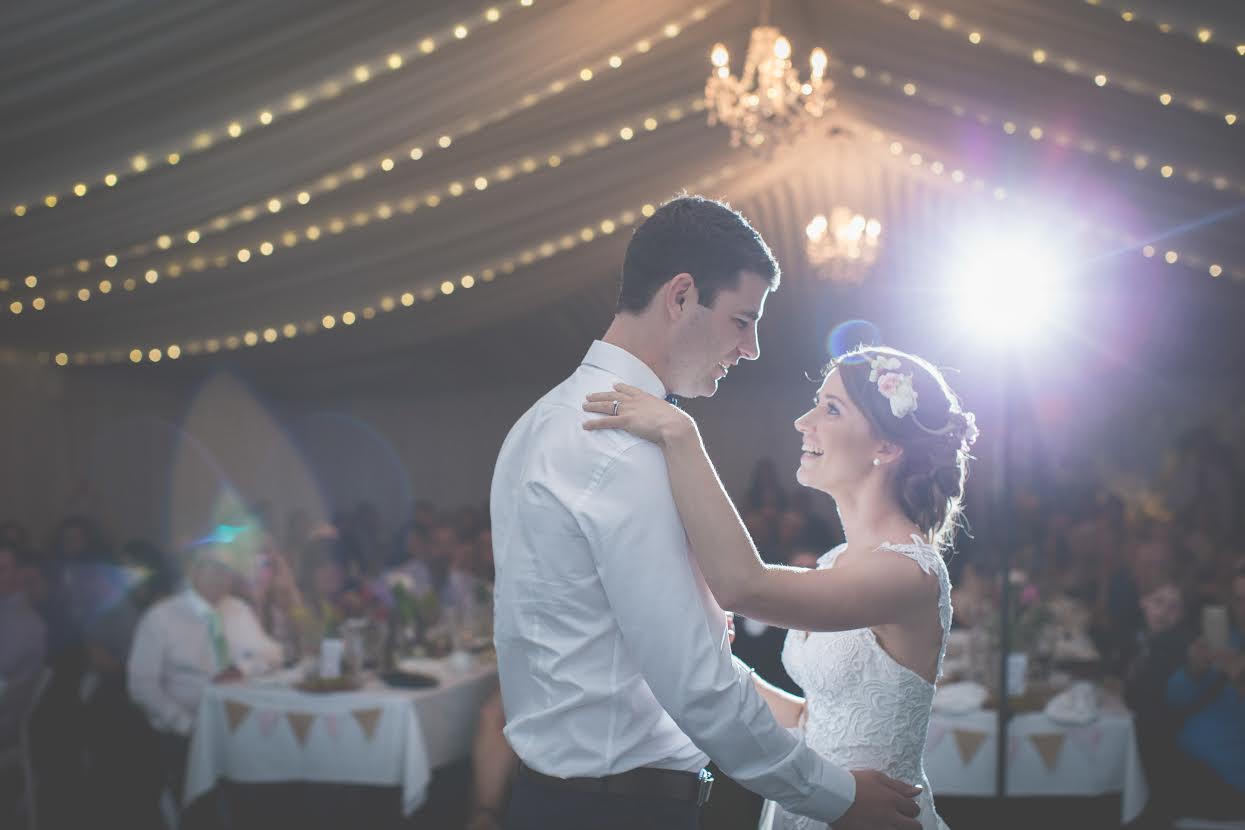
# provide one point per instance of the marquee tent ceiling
(320, 90)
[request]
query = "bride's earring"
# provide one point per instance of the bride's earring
(877, 462)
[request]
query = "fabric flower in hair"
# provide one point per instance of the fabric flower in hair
(881, 364)
(898, 389)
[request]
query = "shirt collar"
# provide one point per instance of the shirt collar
(628, 367)
(200, 605)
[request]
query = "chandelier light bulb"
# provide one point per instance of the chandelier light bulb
(817, 61)
(768, 103)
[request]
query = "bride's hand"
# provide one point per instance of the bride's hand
(639, 413)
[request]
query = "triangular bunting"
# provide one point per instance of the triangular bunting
(300, 722)
(330, 725)
(367, 718)
(968, 743)
(235, 713)
(1048, 746)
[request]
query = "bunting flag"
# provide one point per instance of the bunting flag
(968, 743)
(330, 725)
(300, 722)
(235, 713)
(1048, 746)
(367, 719)
(267, 722)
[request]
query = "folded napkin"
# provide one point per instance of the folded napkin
(959, 698)
(1075, 706)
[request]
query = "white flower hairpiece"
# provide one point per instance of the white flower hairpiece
(895, 387)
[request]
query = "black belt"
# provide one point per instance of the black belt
(664, 783)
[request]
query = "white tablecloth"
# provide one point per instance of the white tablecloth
(1044, 758)
(266, 731)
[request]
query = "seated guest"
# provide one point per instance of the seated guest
(198, 636)
(277, 599)
(23, 645)
(1162, 649)
(438, 562)
(1209, 692)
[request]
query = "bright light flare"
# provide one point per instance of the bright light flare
(1009, 288)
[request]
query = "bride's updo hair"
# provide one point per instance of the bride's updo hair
(935, 436)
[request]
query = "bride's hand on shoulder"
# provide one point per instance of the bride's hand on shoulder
(643, 415)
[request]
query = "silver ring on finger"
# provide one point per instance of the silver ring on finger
(616, 405)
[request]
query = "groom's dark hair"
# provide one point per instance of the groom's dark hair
(697, 236)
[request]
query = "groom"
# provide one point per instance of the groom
(616, 675)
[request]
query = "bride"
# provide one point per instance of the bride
(888, 441)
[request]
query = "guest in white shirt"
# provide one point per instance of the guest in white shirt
(196, 637)
(616, 674)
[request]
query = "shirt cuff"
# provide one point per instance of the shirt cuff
(832, 796)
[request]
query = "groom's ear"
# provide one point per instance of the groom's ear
(679, 294)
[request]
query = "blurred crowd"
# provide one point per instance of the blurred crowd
(113, 644)
(1158, 576)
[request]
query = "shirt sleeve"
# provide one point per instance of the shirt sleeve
(676, 632)
(144, 675)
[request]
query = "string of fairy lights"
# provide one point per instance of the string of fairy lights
(338, 319)
(1201, 33)
(308, 96)
(957, 175)
(1138, 161)
(1043, 55)
(375, 164)
(645, 123)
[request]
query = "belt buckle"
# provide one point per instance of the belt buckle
(706, 787)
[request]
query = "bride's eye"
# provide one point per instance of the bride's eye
(832, 409)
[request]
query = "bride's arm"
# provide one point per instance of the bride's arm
(787, 708)
(885, 588)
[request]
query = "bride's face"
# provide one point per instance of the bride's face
(838, 445)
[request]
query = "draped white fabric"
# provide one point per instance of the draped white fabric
(85, 89)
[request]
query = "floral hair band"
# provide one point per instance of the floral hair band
(897, 388)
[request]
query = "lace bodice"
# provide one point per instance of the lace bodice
(864, 710)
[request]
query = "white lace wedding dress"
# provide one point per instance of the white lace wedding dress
(864, 710)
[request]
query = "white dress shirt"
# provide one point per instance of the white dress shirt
(173, 658)
(612, 652)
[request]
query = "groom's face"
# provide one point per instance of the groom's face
(707, 342)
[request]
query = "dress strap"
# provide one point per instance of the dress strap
(930, 561)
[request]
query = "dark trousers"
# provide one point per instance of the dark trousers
(537, 806)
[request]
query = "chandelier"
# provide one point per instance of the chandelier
(843, 246)
(767, 104)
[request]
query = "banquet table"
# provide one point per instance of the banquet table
(1044, 758)
(266, 730)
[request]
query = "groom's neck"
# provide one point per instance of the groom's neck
(640, 336)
